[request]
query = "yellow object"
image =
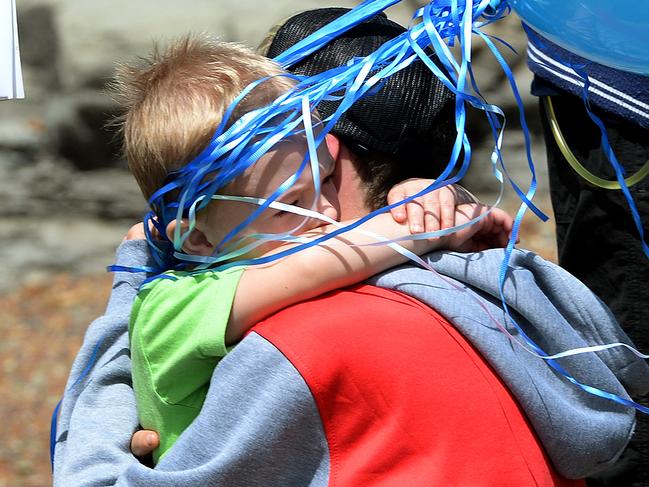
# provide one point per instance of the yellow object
(577, 166)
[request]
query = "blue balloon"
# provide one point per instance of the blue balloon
(611, 32)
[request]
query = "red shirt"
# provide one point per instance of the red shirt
(404, 399)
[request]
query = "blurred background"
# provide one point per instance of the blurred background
(67, 199)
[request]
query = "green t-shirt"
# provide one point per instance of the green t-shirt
(177, 336)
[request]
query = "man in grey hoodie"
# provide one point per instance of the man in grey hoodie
(265, 423)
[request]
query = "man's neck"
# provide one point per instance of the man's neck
(351, 191)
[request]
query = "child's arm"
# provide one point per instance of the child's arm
(336, 264)
(97, 415)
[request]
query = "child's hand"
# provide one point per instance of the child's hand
(492, 231)
(430, 212)
(143, 442)
(136, 232)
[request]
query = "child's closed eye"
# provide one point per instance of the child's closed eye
(282, 213)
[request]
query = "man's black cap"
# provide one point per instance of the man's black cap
(403, 115)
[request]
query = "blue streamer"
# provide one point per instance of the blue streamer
(55, 416)
(364, 11)
(610, 155)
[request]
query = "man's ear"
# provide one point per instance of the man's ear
(196, 243)
(333, 146)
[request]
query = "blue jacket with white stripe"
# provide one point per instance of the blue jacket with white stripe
(620, 92)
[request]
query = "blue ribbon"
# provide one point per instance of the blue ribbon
(364, 11)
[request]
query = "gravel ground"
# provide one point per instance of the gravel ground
(42, 326)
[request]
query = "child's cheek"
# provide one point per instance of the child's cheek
(285, 223)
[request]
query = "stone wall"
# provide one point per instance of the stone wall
(65, 194)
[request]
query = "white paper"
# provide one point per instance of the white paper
(11, 78)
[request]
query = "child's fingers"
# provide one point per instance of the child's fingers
(431, 220)
(144, 442)
(415, 216)
(505, 219)
(432, 213)
(447, 202)
(504, 223)
(399, 213)
(136, 232)
(501, 227)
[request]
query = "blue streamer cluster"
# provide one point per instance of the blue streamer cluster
(233, 150)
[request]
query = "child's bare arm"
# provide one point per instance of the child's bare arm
(264, 290)
(336, 264)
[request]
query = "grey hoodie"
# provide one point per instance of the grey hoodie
(285, 443)
(581, 433)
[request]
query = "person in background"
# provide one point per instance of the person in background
(597, 239)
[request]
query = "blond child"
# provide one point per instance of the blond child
(180, 328)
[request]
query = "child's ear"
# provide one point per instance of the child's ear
(333, 146)
(196, 243)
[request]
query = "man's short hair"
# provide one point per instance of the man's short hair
(176, 98)
(403, 130)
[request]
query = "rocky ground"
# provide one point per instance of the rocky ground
(66, 199)
(42, 325)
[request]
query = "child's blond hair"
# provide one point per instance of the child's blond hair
(175, 99)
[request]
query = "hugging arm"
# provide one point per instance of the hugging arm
(350, 258)
(259, 426)
(98, 415)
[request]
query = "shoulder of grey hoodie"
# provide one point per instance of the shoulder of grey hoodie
(582, 433)
(284, 444)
